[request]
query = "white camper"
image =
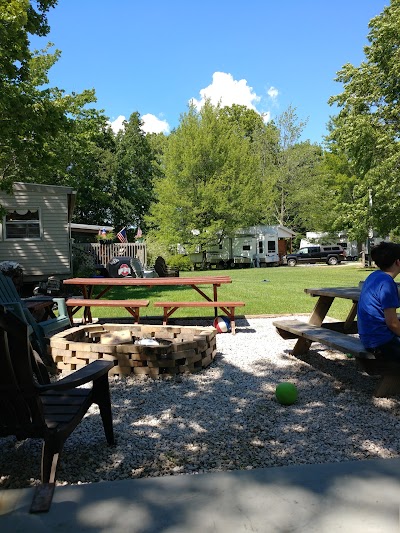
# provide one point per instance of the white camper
(252, 246)
(259, 244)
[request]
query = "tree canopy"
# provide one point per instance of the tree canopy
(366, 131)
(47, 136)
(222, 168)
(211, 184)
(29, 113)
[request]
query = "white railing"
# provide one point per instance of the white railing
(103, 253)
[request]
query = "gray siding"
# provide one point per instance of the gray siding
(49, 255)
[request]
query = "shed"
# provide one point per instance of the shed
(35, 229)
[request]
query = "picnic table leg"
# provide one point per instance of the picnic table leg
(215, 292)
(317, 317)
(168, 311)
(388, 386)
(232, 318)
(87, 294)
(87, 315)
(350, 318)
(134, 311)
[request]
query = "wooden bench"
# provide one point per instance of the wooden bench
(227, 307)
(132, 306)
(390, 372)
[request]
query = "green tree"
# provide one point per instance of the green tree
(158, 144)
(245, 121)
(28, 113)
(18, 20)
(86, 161)
(303, 192)
(326, 194)
(367, 128)
(135, 170)
(212, 180)
(294, 172)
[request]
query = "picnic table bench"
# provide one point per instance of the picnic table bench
(337, 335)
(226, 307)
(104, 285)
(132, 306)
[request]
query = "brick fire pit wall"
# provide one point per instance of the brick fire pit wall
(182, 348)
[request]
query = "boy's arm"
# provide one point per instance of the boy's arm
(392, 321)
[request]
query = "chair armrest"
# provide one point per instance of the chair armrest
(61, 306)
(89, 373)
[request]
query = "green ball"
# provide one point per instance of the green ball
(286, 393)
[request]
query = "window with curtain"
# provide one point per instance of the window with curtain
(22, 224)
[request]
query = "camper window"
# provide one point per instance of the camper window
(271, 246)
(22, 224)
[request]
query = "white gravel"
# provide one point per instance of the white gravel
(225, 418)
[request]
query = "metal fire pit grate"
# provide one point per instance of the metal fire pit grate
(179, 349)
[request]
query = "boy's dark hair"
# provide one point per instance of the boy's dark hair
(385, 254)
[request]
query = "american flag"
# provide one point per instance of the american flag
(121, 235)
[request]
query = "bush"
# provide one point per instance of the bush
(181, 262)
(83, 263)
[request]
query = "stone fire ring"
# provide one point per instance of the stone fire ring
(182, 348)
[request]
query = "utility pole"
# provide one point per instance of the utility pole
(370, 231)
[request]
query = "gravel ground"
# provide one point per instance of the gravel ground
(225, 418)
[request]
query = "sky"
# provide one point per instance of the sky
(154, 57)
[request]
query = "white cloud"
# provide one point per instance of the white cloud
(152, 124)
(227, 91)
(273, 93)
(117, 124)
(266, 117)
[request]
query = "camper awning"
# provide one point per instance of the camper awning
(285, 233)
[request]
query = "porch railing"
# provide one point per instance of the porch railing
(103, 253)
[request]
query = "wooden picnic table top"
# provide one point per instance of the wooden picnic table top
(150, 282)
(349, 293)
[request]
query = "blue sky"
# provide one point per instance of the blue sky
(154, 56)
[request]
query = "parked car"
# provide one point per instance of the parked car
(331, 255)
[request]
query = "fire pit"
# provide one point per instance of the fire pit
(156, 351)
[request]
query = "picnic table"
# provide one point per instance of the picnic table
(197, 283)
(339, 336)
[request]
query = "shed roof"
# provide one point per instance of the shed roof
(89, 228)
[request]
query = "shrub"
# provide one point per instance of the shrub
(83, 263)
(181, 262)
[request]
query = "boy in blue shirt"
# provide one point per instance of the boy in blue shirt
(378, 325)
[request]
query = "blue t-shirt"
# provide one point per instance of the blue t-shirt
(379, 292)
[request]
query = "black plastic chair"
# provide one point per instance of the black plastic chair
(32, 407)
(163, 270)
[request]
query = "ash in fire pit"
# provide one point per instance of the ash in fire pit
(155, 351)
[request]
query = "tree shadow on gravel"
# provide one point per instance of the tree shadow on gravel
(225, 418)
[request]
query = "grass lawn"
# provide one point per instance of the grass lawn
(275, 290)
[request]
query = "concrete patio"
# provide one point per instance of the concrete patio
(356, 496)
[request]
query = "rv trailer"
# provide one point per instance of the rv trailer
(253, 246)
